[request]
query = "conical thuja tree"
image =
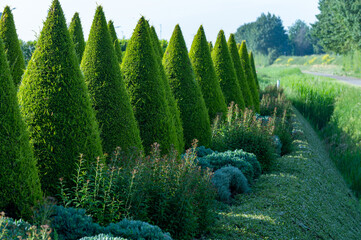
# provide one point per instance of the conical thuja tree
(19, 180)
(206, 77)
(115, 41)
(172, 103)
(56, 105)
(77, 36)
(253, 66)
(247, 96)
(226, 74)
(210, 44)
(107, 89)
(12, 46)
(193, 109)
(249, 75)
(146, 91)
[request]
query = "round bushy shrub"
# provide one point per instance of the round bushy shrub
(241, 77)
(146, 90)
(107, 89)
(12, 46)
(77, 36)
(19, 180)
(229, 181)
(206, 77)
(203, 151)
(103, 237)
(172, 103)
(243, 53)
(56, 106)
(115, 40)
(190, 100)
(226, 74)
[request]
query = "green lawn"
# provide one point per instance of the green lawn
(303, 197)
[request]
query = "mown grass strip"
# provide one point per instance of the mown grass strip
(303, 197)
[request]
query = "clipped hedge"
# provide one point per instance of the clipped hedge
(107, 89)
(206, 77)
(146, 90)
(56, 106)
(247, 96)
(194, 114)
(19, 180)
(12, 46)
(77, 36)
(225, 72)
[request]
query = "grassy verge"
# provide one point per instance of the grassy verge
(303, 197)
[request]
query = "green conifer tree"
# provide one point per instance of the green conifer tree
(210, 46)
(115, 40)
(206, 77)
(19, 180)
(107, 89)
(243, 53)
(146, 91)
(12, 46)
(247, 96)
(77, 36)
(253, 66)
(56, 106)
(226, 74)
(172, 103)
(193, 109)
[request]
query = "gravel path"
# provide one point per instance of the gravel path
(350, 80)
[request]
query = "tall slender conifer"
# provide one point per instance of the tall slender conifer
(77, 36)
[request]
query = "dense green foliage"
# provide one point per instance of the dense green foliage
(194, 114)
(226, 74)
(115, 40)
(12, 47)
(146, 90)
(253, 68)
(242, 80)
(103, 237)
(206, 77)
(28, 49)
(229, 182)
(267, 34)
(19, 180)
(56, 106)
(172, 102)
(243, 52)
(77, 36)
(300, 39)
(110, 99)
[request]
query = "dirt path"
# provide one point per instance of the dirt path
(350, 80)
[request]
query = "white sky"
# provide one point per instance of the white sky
(189, 14)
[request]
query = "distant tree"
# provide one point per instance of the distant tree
(28, 49)
(110, 99)
(226, 74)
(56, 106)
(177, 65)
(264, 35)
(77, 36)
(164, 45)
(146, 90)
(115, 40)
(12, 47)
(300, 39)
(206, 77)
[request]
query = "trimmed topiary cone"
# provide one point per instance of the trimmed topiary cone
(253, 66)
(12, 46)
(210, 46)
(77, 36)
(206, 77)
(107, 89)
(243, 53)
(247, 96)
(146, 91)
(115, 40)
(19, 180)
(56, 106)
(193, 109)
(226, 74)
(172, 103)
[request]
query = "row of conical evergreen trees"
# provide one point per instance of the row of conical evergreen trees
(77, 98)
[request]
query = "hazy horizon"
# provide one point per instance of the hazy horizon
(163, 15)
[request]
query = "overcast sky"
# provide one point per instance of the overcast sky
(163, 14)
